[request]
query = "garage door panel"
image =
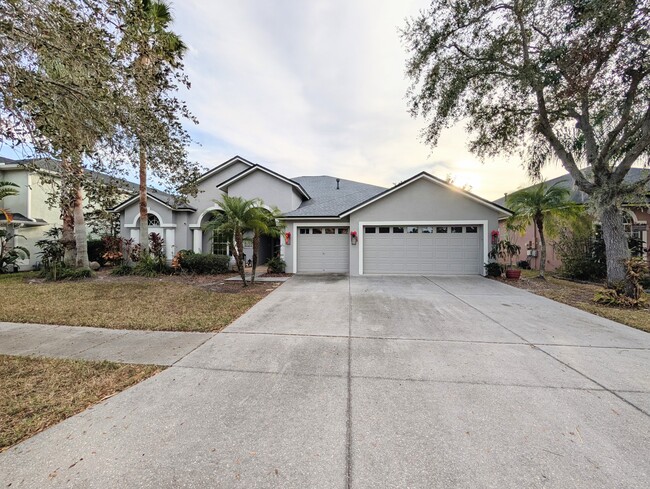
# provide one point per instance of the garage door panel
(323, 253)
(457, 253)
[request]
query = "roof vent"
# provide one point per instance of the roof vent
(338, 180)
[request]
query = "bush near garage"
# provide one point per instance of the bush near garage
(203, 264)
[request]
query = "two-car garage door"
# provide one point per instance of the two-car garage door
(421, 250)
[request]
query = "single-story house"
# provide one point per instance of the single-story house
(422, 225)
(637, 217)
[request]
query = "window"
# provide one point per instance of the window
(426, 229)
(441, 229)
(398, 230)
(471, 229)
(219, 244)
(456, 229)
(343, 230)
(153, 220)
(304, 230)
(330, 231)
(316, 231)
(412, 229)
(371, 230)
(384, 230)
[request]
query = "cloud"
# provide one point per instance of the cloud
(317, 87)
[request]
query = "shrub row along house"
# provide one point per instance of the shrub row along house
(422, 225)
(637, 217)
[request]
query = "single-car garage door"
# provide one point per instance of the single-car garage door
(323, 250)
(421, 250)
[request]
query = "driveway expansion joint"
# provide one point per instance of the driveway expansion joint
(612, 392)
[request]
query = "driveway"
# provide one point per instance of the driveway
(431, 382)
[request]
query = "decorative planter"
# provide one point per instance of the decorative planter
(513, 273)
(353, 238)
(287, 238)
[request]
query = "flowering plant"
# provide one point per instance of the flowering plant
(287, 238)
(353, 234)
(495, 232)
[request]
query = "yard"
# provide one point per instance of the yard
(580, 295)
(170, 303)
(39, 392)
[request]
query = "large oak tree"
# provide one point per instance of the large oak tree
(546, 79)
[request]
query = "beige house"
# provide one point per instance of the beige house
(32, 215)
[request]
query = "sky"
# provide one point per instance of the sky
(318, 87)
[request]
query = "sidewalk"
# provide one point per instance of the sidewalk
(116, 345)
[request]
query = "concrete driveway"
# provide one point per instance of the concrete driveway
(431, 382)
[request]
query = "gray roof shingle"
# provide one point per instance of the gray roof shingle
(328, 201)
(634, 175)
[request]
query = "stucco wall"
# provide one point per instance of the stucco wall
(260, 185)
(421, 201)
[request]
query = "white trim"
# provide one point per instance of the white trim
(431, 179)
(197, 225)
(309, 224)
(223, 166)
(29, 195)
(135, 224)
(253, 169)
(483, 223)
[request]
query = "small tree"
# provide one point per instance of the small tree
(267, 223)
(237, 215)
(542, 206)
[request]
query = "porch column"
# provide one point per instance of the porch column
(170, 243)
(197, 240)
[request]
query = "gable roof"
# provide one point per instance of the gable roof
(328, 201)
(577, 195)
(162, 198)
(223, 166)
(431, 178)
(255, 168)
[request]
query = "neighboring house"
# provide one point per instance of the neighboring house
(637, 217)
(32, 216)
(423, 225)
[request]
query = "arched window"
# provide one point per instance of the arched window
(153, 221)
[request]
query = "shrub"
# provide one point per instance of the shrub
(122, 270)
(66, 273)
(276, 265)
(157, 247)
(493, 269)
(203, 264)
(96, 251)
(149, 266)
(582, 255)
(523, 264)
(635, 271)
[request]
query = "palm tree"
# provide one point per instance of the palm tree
(266, 224)
(542, 206)
(237, 216)
(7, 189)
(156, 46)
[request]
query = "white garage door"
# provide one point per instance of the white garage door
(422, 250)
(323, 250)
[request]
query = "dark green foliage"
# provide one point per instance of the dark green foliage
(523, 264)
(493, 269)
(150, 266)
(582, 255)
(67, 273)
(96, 251)
(9, 252)
(276, 265)
(203, 264)
(122, 270)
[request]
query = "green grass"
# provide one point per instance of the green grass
(124, 303)
(39, 392)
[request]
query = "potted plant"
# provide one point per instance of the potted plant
(505, 249)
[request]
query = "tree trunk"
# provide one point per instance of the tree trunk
(144, 226)
(80, 235)
(238, 253)
(256, 249)
(539, 222)
(616, 246)
(66, 203)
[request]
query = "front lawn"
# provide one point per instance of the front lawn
(581, 296)
(39, 392)
(205, 303)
